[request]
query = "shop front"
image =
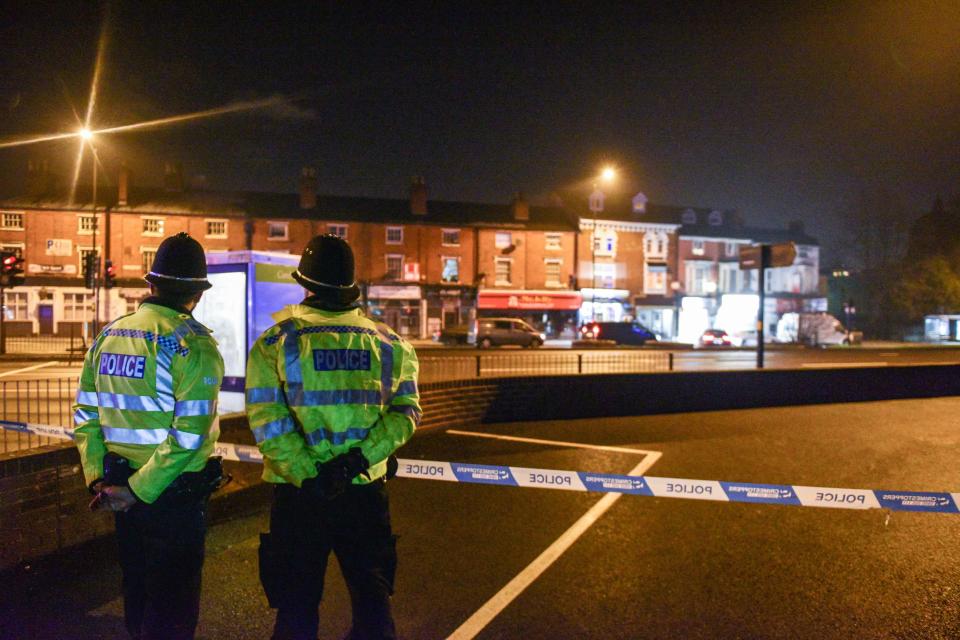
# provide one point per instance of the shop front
(449, 305)
(401, 307)
(604, 305)
(551, 312)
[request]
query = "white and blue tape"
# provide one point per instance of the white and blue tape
(796, 495)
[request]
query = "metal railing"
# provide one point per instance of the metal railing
(49, 401)
(502, 365)
(72, 345)
(46, 401)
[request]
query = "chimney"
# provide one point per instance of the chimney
(521, 208)
(173, 176)
(39, 179)
(123, 186)
(308, 188)
(418, 196)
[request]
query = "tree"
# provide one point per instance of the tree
(931, 285)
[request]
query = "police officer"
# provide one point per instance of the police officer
(331, 395)
(145, 427)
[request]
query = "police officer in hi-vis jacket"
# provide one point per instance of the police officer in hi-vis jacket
(331, 395)
(145, 427)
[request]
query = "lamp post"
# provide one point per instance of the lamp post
(675, 286)
(87, 136)
(608, 175)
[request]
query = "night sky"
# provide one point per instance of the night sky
(781, 113)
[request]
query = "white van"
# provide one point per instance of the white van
(815, 329)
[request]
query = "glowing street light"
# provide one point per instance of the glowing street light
(86, 134)
(608, 174)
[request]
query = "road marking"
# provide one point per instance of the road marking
(559, 443)
(492, 607)
(841, 365)
(25, 369)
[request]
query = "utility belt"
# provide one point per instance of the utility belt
(190, 484)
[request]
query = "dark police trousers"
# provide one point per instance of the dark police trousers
(304, 529)
(161, 557)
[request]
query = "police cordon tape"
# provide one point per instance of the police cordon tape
(716, 490)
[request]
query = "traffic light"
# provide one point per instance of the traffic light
(11, 269)
(90, 270)
(109, 274)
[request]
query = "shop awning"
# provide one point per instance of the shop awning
(532, 300)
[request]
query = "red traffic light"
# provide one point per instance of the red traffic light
(10, 260)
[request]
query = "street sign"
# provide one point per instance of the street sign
(781, 255)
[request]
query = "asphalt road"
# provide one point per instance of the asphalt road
(646, 567)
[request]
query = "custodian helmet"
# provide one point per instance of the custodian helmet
(179, 266)
(327, 269)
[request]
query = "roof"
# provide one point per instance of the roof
(287, 206)
(754, 234)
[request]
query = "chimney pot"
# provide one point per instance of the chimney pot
(521, 208)
(123, 186)
(418, 196)
(308, 188)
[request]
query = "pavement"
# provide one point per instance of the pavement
(637, 568)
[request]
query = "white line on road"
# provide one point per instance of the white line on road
(492, 607)
(841, 365)
(25, 369)
(558, 443)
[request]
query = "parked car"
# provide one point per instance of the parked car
(496, 332)
(453, 335)
(715, 338)
(620, 332)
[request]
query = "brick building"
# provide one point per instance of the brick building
(420, 263)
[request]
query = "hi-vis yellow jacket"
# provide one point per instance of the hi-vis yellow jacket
(148, 392)
(321, 382)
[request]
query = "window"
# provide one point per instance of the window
(502, 271)
(133, 303)
(394, 266)
(604, 242)
(699, 274)
(552, 241)
(83, 252)
(77, 307)
(152, 226)
(394, 235)
(698, 247)
(715, 218)
(551, 269)
(339, 230)
(147, 254)
(730, 249)
(451, 269)
(277, 230)
(689, 217)
(655, 279)
(728, 277)
(86, 225)
(15, 305)
(450, 237)
(605, 275)
(655, 244)
(10, 220)
(216, 228)
(502, 240)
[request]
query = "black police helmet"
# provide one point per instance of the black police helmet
(179, 266)
(327, 269)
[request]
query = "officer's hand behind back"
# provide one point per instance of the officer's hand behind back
(335, 475)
